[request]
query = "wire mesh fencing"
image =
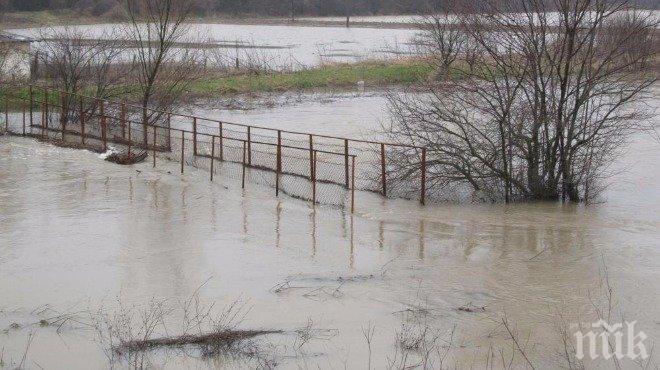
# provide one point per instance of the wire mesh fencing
(319, 168)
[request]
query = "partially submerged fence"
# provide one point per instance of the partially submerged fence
(319, 168)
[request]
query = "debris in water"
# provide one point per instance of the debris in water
(111, 150)
(471, 308)
(210, 342)
(126, 158)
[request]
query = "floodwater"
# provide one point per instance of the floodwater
(411, 20)
(346, 114)
(81, 235)
(277, 46)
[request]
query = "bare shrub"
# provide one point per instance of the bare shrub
(419, 345)
(77, 63)
(130, 334)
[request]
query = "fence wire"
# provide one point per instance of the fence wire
(312, 167)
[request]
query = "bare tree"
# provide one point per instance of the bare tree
(543, 103)
(441, 40)
(163, 69)
(76, 63)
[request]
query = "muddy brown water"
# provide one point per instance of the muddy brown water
(78, 234)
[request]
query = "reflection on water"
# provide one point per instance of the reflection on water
(76, 231)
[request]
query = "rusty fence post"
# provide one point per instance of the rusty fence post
(278, 163)
(31, 108)
(311, 156)
(48, 109)
(24, 119)
(145, 135)
(63, 117)
(44, 114)
(243, 173)
(314, 177)
(249, 146)
(154, 146)
(353, 185)
(63, 108)
(122, 118)
(6, 114)
(104, 134)
(130, 139)
(183, 138)
(169, 131)
(194, 136)
(82, 121)
(221, 148)
(346, 162)
(382, 169)
(212, 154)
(422, 197)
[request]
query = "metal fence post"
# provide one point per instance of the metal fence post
(183, 138)
(382, 169)
(6, 114)
(104, 137)
(64, 117)
(194, 135)
(221, 148)
(311, 156)
(212, 154)
(423, 195)
(82, 121)
(145, 136)
(243, 173)
(169, 131)
(122, 118)
(314, 177)
(249, 146)
(346, 162)
(353, 185)
(155, 130)
(31, 108)
(129, 138)
(23, 119)
(278, 164)
(44, 114)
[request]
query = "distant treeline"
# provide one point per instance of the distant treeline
(263, 7)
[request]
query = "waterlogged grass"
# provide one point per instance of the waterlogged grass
(332, 76)
(374, 74)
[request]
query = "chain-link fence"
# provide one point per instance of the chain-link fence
(319, 168)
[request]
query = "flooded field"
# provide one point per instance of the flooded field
(82, 240)
(279, 46)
